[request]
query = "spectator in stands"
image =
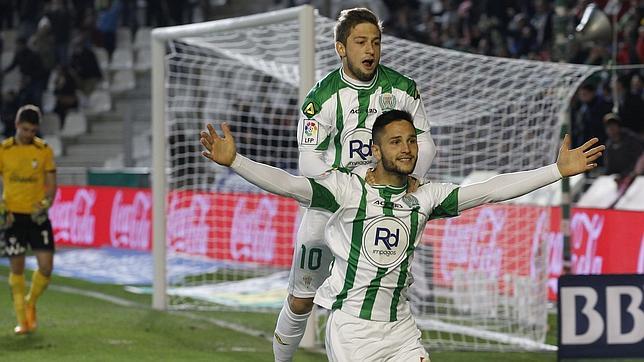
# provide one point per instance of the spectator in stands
(6, 14)
(1, 74)
(522, 36)
(639, 46)
(129, 16)
(247, 130)
(8, 113)
(587, 115)
(623, 148)
(84, 66)
(33, 73)
(542, 24)
(283, 140)
(61, 24)
(184, 154)
(65, 92)
(156, 13)
(107, 24)
(43, 43)
(631, 107)
(29, 14)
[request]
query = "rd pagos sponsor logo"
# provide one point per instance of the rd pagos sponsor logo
(357, 148)
(385, 241)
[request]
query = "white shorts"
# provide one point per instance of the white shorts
(350, 338)
(311, 256)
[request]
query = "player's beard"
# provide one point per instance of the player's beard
(362, 76)
(393, 167)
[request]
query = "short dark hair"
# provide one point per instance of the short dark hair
(388, 117)
(28, 113)
(350, 18)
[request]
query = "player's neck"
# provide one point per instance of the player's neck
(20, 141)
(350, 78)
(384, 177)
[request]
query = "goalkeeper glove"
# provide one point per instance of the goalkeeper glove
(6, 218)
(39, 216)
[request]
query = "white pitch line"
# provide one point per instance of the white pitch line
(127, 303)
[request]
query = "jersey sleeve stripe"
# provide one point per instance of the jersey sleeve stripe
(354, 252)
(339, 125)
(447, 208)
(324, 145)
(322, 198)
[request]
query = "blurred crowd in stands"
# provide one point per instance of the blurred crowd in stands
(56, 43)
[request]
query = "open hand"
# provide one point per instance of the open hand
(581, 159)
(221, 150)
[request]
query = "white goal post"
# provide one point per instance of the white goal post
(220, 243)
(304, 15)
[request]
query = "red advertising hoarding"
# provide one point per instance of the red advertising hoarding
(259, 228)
(240, 227)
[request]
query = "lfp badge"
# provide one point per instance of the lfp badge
(311, 130)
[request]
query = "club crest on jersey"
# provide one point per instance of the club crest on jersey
(310, 134)
(34, 163)
(411, 201)
(387, 102)
(385, 241)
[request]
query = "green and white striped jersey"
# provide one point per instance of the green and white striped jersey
(338, 114)
(372, 234)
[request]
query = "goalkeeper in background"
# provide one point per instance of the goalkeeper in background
(29, 186)
(334, 131)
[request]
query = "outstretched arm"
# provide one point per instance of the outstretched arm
(312, 163)
(222, 150)
(510, 185)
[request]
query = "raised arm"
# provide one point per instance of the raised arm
(510, 185)
(222, 150)
(426, 154)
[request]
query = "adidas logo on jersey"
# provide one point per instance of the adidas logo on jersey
(383, 203)
(363, 110)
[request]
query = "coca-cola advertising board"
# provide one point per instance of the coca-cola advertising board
(259, 228)
(240, 227)
(102, 216)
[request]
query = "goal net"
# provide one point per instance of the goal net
(480, 279)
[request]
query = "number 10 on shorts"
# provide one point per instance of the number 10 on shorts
(314, 258)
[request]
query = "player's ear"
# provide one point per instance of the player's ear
(340, 49)
(375, 151)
